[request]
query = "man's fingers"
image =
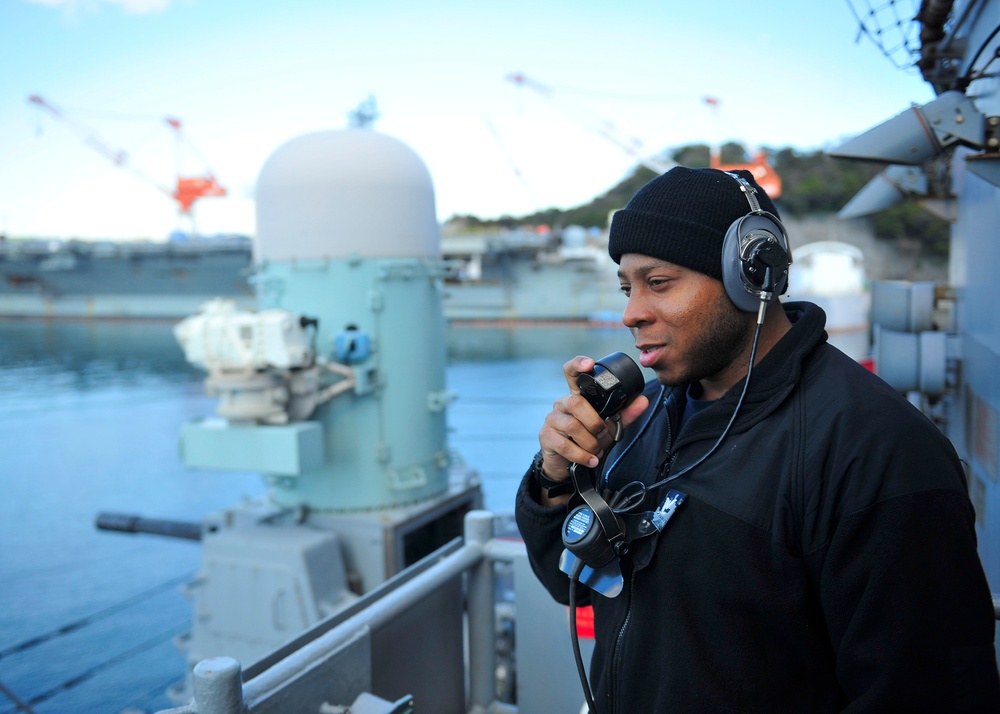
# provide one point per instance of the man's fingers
(571, 437)
(559, 451)
(574, 368)
(634, 409)
(574, 432)
(584, 434)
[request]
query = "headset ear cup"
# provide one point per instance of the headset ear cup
(732, 271)
(739, 285)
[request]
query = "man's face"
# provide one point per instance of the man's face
(685, 326)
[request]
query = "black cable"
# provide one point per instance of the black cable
(630, 499)
(575, 636)
(732, 419)
(97, 616)
(966, 79)
(116, 660)
(982, 47)
(19, 704)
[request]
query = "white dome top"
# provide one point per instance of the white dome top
(335, 194)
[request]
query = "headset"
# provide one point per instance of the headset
(598, 533)
(755, 255)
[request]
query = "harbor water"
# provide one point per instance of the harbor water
(89, 420)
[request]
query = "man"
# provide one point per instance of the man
(824, 558)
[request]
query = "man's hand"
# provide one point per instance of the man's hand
(573, 431)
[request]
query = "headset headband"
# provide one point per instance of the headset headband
(749, 191)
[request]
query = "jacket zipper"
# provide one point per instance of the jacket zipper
(616, 660)
(668, 456)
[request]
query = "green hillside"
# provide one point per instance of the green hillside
(813, 183)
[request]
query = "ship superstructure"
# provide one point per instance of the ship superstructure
(939, 342)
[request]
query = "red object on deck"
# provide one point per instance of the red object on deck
(585, 623)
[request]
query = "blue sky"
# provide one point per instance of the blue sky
(246, 77)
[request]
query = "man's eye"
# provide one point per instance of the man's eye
(626, 290)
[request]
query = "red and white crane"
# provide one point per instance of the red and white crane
(186, 189)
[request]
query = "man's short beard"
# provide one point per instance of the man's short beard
(725, 339)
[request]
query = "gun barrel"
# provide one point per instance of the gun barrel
(129, 523)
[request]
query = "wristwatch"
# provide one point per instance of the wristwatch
(554, 488)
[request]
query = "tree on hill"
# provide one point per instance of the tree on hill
(812, 183)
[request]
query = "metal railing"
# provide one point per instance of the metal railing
(217, 683)
(297, 676)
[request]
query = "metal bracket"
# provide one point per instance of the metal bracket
(439, 401)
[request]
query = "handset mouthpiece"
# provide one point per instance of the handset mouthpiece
(614, 382)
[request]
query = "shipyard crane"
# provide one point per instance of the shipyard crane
(763, 173)
(605, 128)
(186, 189)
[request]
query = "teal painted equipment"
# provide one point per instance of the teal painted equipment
(348, 250)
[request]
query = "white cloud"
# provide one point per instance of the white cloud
(131, 7)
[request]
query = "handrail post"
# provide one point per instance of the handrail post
(482, 616)
(218, 686)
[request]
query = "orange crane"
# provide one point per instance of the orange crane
(763, 173)
(186, 190)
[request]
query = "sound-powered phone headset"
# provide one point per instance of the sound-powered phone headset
(755, 260)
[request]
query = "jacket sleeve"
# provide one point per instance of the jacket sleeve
(541, 527)
(908, 608)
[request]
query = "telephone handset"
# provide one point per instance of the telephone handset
(593, 535)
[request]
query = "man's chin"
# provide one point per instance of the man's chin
(669, 378)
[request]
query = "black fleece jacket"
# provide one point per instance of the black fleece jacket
(824, 560)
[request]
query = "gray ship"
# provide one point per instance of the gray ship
(119, 279)
(518, 275)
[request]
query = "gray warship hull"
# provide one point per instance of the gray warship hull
(515, 279)
(77, 279)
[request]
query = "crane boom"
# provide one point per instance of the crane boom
(116, 156)
(604, 128)
(763, 172)
(186, 190)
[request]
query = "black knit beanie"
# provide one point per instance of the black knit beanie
(682, 217)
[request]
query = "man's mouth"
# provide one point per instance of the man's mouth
(649, 354)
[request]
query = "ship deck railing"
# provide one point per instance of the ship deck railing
(424, 641)
(429, 634)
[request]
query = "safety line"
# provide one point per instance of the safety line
(20, 705)
(97, 616)
(158, 690)
(117, 659)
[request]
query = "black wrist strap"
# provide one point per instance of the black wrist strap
(554, 488)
